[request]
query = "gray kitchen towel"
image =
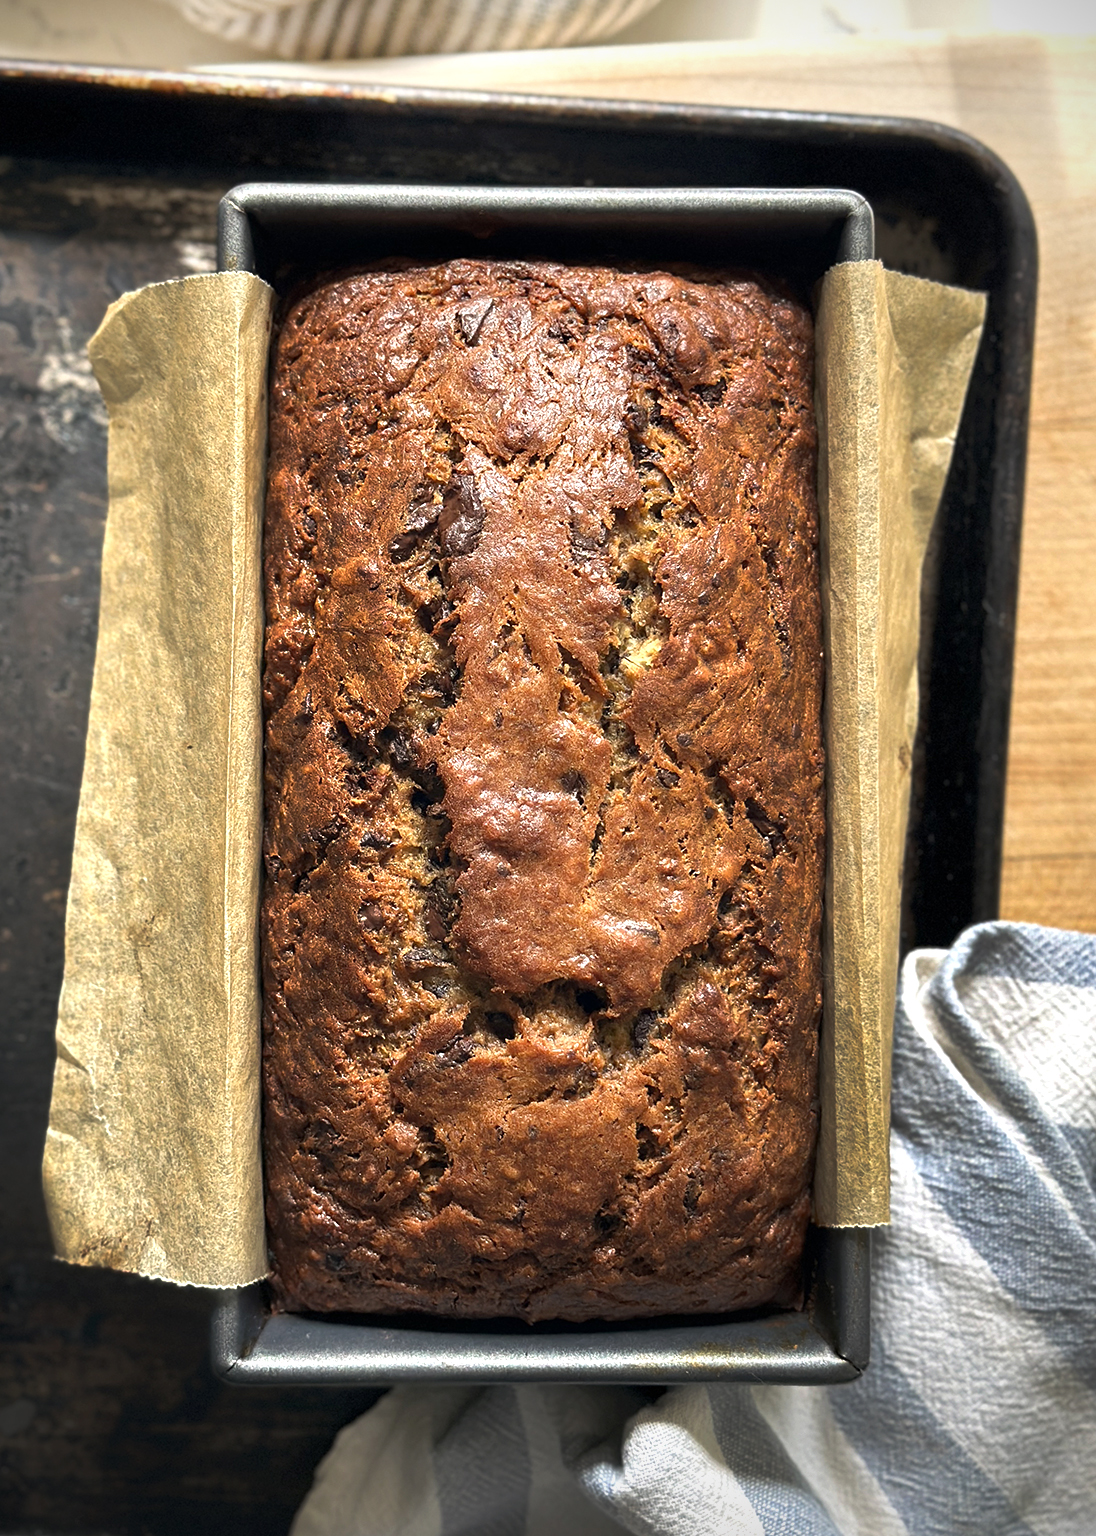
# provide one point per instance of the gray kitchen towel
(977, 1415)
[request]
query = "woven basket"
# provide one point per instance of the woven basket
(358, 29)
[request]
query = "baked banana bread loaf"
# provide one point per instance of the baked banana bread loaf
(544, 793)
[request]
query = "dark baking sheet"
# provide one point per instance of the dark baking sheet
(111, 179)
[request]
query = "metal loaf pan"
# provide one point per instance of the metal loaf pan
(286, 231)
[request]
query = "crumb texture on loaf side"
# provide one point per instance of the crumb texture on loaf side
(544, 815)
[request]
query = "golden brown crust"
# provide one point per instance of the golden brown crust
(544, 794)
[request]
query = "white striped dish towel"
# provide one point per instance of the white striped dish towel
(977, 1415)
(360, 29)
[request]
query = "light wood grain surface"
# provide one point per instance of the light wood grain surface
(1032, 100)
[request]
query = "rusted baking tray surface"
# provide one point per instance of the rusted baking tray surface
(111, 179)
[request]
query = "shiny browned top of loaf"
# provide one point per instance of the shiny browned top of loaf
(544, 793)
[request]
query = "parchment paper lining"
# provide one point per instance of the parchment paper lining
(152, 1159)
